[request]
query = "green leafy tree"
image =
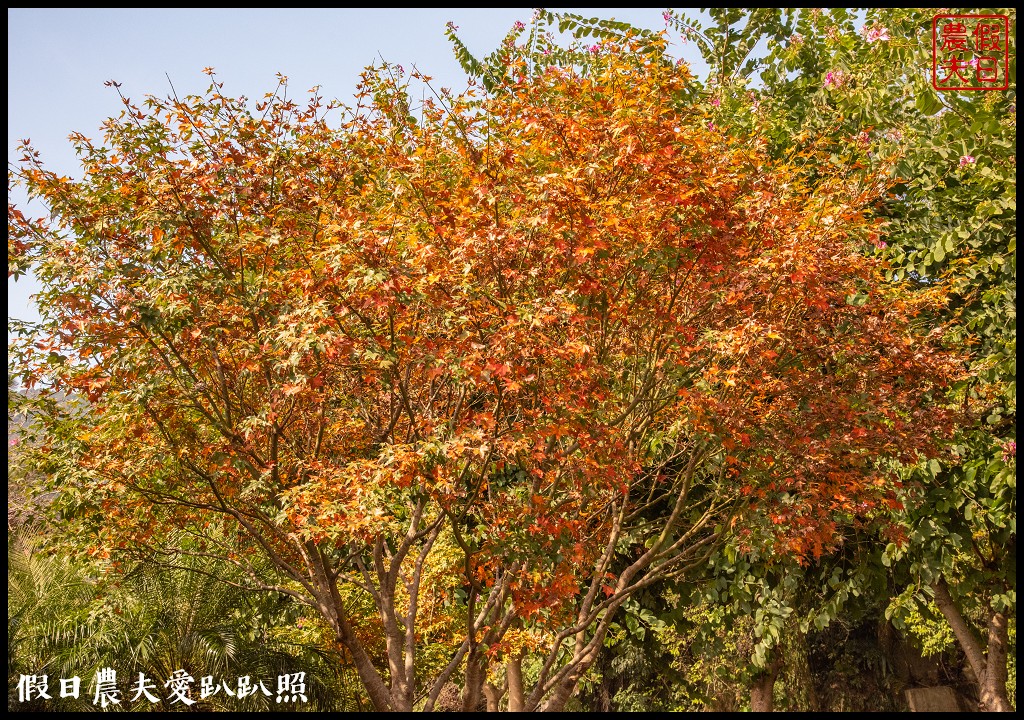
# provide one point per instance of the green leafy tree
(862, 78)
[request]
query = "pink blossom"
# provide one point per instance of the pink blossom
(966, 160)
(835, 78)
(796, 39)
(864, 138)
(711, 126)
(519, 26)
(451, 26)
(667, 16)
(881, 244)
(594, 49)
(716, 102)
(877, 33)
(1009, 450)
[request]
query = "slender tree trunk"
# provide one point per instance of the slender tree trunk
(762, 690)
(472, 693)
(583, 660)
(989, 666)
(563, 691)
(514, 672)
(493, 695)
(761, 693)
(993, 689)
(371, 679)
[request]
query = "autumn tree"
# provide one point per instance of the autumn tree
(552, 337)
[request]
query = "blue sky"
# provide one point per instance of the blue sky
(58, 60)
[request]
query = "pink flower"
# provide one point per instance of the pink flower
(881, 244)
(1009, 450)
(796, 39)
(666, 16)
(594, 49)
(835, 78)
(711, 126)
(451, 26)
(864, 138)
(716, 102)
(519, 26)
(877, 33)
(966, 160)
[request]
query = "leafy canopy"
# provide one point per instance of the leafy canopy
(569, 323)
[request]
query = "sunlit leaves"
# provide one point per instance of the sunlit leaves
(544, 316)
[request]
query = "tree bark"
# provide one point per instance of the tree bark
(989, 666)
(372, 681)
(493, 695)
(472, 693)
(762, 689)
(514, 672)
(563, 691)
(993, 689)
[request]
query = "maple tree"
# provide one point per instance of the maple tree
(553, 338)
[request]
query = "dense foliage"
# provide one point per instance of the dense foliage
(519, 388)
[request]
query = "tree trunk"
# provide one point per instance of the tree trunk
(371, 679)
(762, 693)
(493, 695)
(514, 672)
(472, 693)
(762, 690)
(993, 687)
(989, 666)
(563, 691)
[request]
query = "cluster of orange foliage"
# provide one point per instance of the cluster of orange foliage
(549, 323)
